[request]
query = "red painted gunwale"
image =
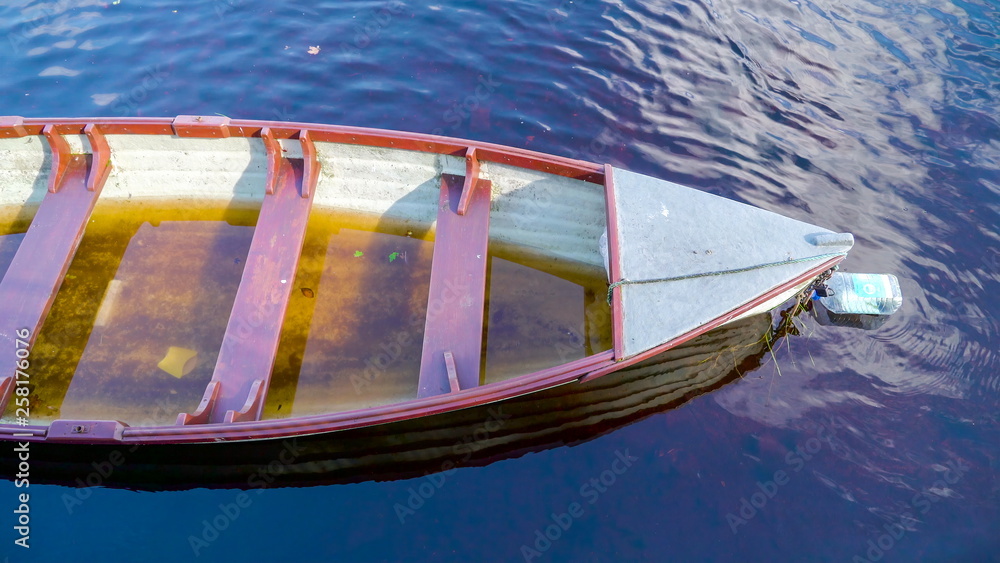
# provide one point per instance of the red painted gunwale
(523, 158)
(578, 370)
(614, 263)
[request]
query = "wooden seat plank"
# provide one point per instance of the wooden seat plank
(246, 357)
(35, 274)
(454, 322)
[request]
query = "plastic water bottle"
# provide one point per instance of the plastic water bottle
(862, 294)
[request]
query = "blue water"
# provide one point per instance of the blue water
(875, 117)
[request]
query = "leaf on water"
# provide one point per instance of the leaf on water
(393, 256)
(358, 254)
(314, 50)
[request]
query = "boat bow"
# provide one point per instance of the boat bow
(682, 259)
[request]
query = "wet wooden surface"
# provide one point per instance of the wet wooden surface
(458, 288)
(251, 341)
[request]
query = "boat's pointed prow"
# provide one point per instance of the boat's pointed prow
(689, 260)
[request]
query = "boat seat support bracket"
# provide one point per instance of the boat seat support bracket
(204, 411)
(471, 181)
(60, 157)
(100, 163)
(449, 366)
(253, 405)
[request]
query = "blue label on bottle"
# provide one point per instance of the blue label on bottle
(865, 286)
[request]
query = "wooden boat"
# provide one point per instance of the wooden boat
(133, 353)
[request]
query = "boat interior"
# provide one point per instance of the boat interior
(188, 301)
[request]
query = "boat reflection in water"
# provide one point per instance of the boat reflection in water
(565, 415)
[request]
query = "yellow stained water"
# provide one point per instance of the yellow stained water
(135, 330)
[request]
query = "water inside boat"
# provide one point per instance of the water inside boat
(135, 331)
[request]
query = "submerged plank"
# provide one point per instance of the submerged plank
(365, 329)
(158, 323)
(454, 322)
(248, 349)
(35, 274)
